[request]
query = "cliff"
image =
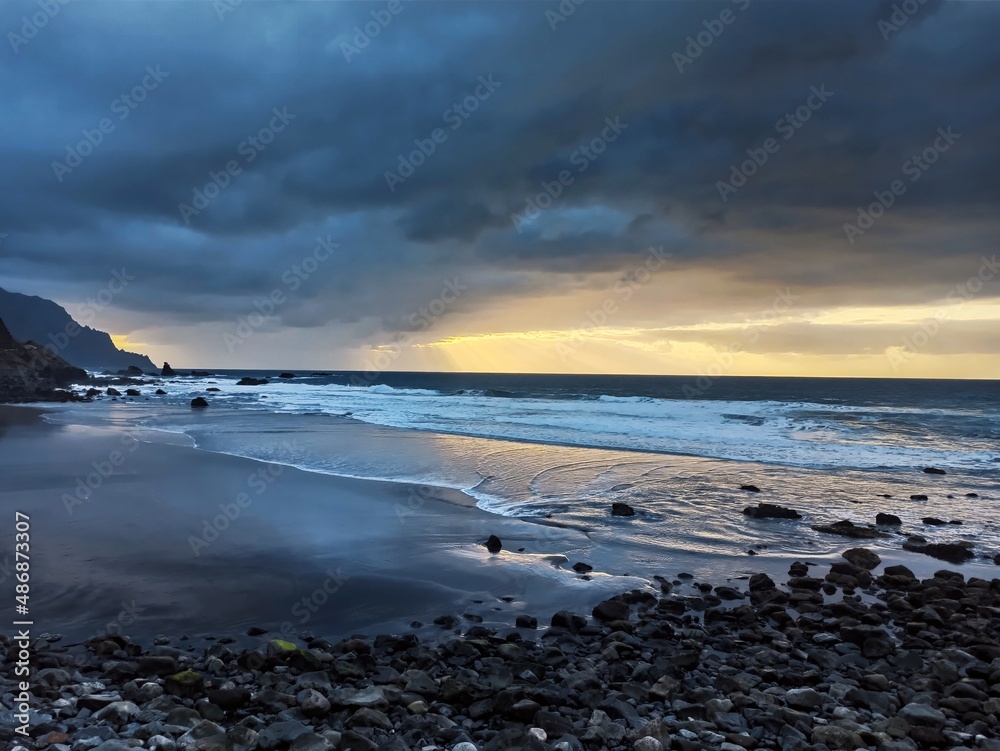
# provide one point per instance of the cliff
(35, 319)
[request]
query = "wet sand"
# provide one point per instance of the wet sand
(139, 531)
(179, 540)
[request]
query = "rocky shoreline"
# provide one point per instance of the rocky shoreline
(855, 656)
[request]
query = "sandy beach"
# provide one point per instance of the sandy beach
(189, 541)
(136, 527)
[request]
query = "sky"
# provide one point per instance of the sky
(745, 187)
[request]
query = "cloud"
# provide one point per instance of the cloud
(658, 183)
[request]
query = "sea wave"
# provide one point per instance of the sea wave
(796, 433)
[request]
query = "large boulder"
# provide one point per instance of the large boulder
(167, 370)
(252, 381)
(849, 529)
(953, 552)
(863, 558)
(771, 511)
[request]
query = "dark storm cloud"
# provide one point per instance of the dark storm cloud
(349, 123)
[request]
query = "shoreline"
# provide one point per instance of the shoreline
(404, 552)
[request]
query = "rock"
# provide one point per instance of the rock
(311, 742)
(279, 735)
(372, 696)
(972, 495)
(611, 610)
(728, 593)
(313, 703)
(523, 711)
(934, 471)
(185, 685)
(837, 738)
(198, 403)
(252, 382)
(918, 497)
(647, 743)
(167, 371)
(157, 665)
(899, 571)
(863, 558)
(229, 699)
(569, 621)
(751, 488)
(117, 713)
(213, 389)
(771, 511)
(113, 392)
(160, 392)
(526, 621)
(888, 520)
(133, 392)
(933, 521)
(111, 745)
(945, 551)
(622, 509)
(582, 568)
(204, 735)
(849, 529)
(805, 699)
(923, 714)
(760, 581)
(493, 544)
(287, 375)
(95, 702)
(161, 743)
(366, 717)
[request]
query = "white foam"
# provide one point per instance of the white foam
(791, 433)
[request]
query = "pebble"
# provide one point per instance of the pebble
(902, 664)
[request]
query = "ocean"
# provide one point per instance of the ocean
(564, 448)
